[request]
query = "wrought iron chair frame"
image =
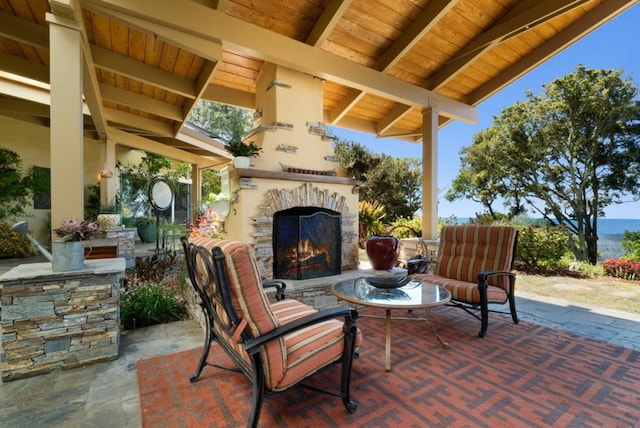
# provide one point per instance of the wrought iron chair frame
(213, 269)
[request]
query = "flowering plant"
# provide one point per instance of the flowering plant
(207, 224)
(76, 230)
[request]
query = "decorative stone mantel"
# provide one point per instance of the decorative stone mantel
(52, 320)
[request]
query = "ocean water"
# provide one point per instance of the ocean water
(610, 234)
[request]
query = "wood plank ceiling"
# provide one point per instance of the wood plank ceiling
(383, 61)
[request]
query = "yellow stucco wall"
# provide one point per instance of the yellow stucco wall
(31, 142)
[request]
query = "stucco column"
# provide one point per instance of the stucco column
(429, 173)
(196, 191)
(108, 185)
(67, 155)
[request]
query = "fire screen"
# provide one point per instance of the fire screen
(307, 243)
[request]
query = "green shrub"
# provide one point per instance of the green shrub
(152, 303)
(631, 245)
(407, 227)
(538, 246)
(14, 244)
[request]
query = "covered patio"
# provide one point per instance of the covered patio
(84, 82)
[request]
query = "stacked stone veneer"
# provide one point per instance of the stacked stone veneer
(306, 195)
(126, 237)
(51, 320)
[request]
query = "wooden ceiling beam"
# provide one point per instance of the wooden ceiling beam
(519, 19)
(598, 16)
(397, 112)
(23, 108)
(261, 43)
(25, 68)
(420, 26)
(140, 102)
(125, 66)
(347, 102)
(225, 95)
(208, 49)
(23, 31)
(327, 22)
(138, 142)
(206, 75)
(129, 120)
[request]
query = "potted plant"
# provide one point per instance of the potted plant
(68, 251)
(147, 229)
(109, 216)
(242, 152)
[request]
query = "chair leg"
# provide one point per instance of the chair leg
(258, 395)
(205, 352)
(512, 308)
(347, 364)
(484, 308)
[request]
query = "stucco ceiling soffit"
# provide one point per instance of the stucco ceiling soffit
(257, 42)
(593, 19)
(526, 15)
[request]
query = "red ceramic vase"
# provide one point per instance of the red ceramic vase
(382, 251)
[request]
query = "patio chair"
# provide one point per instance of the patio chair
(474, 263)
(276, 344)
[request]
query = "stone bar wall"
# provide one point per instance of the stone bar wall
(52, 320)
(126, 243)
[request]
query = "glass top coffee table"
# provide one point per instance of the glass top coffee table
(415, 294)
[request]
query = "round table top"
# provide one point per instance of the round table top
(415, 295)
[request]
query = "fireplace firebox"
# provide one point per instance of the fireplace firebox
(306, 243)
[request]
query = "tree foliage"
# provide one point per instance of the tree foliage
(15, 185)
(395, 183)
(228, 122)
(566, 154)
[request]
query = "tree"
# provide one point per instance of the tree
(567, 154)
(393, 182)
(228, 122)
(16, 185)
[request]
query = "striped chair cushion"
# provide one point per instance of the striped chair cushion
(466, 251)
(296, 355)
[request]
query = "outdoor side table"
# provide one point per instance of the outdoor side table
(415, 295)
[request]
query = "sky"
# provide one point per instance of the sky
(612, 46)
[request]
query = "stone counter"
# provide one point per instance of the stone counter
(59, 320)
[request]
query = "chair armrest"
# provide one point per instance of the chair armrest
(482, 278)
(253, 346)
(278, 285)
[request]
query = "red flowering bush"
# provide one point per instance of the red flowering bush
(207, 224)
(622, 268)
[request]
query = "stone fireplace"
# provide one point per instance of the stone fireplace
(296, 175)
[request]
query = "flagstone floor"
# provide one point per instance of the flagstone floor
(106, 394)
